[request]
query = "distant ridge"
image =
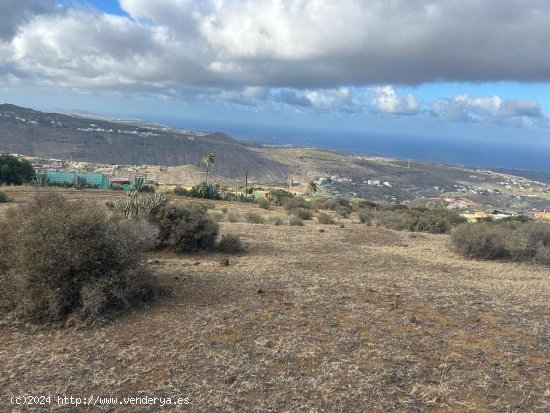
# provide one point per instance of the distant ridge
(78, 137)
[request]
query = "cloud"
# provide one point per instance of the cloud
(305, 44)
(15, 13)
(386, 100)
(488, 110)
(302, 55)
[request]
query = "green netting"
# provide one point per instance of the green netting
(94, 180)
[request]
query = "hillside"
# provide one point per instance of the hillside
(351, 319)
(54, 135)
(79, 138)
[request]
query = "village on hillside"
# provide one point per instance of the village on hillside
(472, 201)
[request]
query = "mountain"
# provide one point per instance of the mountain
(81, 138)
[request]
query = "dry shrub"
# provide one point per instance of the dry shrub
(302, 213)
(297, 202)
(264, 203)
(365, 216)
(186, 228)
(231, 244)
(480, 240)
(296, 221)
(520, 241)
(253, 218)
(325, 218)
(233, 217)
(3, 197)
(56, 252)
(180, 191)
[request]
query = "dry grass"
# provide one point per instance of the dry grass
(354, 319)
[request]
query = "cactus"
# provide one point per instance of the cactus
(135, 205)
(138, 184)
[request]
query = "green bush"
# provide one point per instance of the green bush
(279, 196)
(296, 221)
(325, 218)
(14, 171)
(66, 259)
(254, 218)
(231, 244)
(3, 197)
(264, 203)
(302, 213)
(186, 228)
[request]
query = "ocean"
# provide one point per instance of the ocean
(519, 153)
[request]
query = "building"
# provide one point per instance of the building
(93, 180)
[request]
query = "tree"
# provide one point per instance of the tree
(14, 171)
(311, 187)
(208, 159)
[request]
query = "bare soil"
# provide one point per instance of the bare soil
(353, 319)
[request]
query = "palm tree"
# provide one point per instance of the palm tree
(311, 187)
(208, 159)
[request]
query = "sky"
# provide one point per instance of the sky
(449, 70)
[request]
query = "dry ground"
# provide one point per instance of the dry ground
(353, 319)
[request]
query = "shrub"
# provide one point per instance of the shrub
(224, 210)
(296, 202)
(14, 171)
(438, 221)
(365, 216)
(480, 240)
(180, 191)
(186, 228)
(253, 218)
(296, 221)
(325, 218)
(3, 197)
(264, 203)
(302, 213)
(230, 244)
(218, 216)
(278, 222)
(233, 217)
(279, 196)
(67, 259)
(359, 203)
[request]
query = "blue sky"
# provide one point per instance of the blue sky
(453, 70)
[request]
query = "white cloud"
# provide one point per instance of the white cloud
(308, 55)
(304, 44)
(386, 100)
(492, 109)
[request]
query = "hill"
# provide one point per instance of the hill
(60, 136)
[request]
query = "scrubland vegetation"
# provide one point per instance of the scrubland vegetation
(328, 305)
(513, 240)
